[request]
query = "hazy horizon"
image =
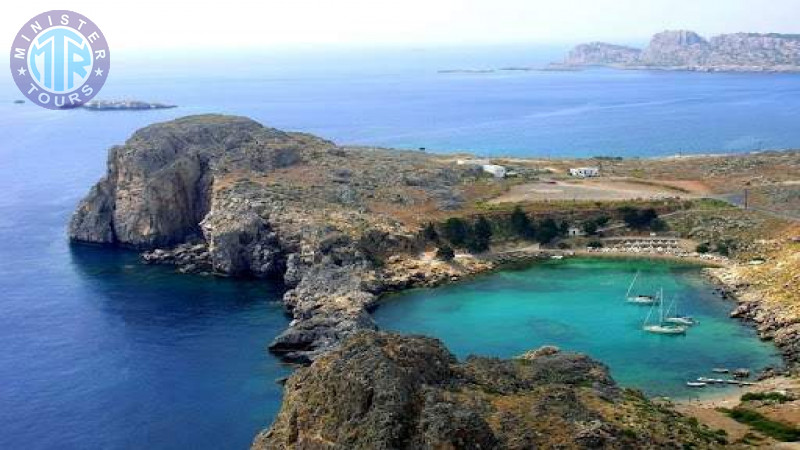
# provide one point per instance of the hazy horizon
(244, 24)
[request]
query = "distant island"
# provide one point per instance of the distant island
(687, 50)
(124, 105)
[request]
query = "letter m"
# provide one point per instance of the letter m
(19, 53)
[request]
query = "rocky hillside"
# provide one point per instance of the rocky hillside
(686, 50)
(381, 391)
(228, 195)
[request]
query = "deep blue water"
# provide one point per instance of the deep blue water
(99, 352)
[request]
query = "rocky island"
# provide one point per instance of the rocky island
(686, 50)
(124, 105)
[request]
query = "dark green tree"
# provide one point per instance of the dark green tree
(563, 228)
(602, 221)
(481, 235)
(546, 231)
(429, 232)
(590, 227)
(521, 224)
(456, 231)
(445, 253)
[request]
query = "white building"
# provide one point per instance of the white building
(585, 172)
(495, 170)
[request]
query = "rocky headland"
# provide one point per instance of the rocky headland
(227, 195)
(686, 50)
(341, 226)
(382, 391)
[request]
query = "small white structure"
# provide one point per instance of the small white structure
(585, 172)
(495, 170)
(575, 231)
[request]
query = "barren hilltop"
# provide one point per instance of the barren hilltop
(686, 50)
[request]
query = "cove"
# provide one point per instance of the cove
(578, 305)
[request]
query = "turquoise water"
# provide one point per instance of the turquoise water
(99, 352)
(578, 305)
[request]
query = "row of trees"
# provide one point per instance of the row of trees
(477, 235)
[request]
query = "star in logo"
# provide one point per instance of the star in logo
(21, 71)
(99, 72)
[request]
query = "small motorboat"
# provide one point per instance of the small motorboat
(720, 370)
(680, 320)
(695, 384)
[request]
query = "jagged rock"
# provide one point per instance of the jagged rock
(600, 54)
(381, 390)
(686, 50)
(545, 350)
(266, 203)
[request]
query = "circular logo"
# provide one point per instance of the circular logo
(60, 59)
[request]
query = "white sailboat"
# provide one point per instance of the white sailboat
(676, 318)
(662, 327)
(638, 299)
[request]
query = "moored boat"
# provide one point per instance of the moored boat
(638, 299)
(661, 326)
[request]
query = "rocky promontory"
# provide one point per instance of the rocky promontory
(381, 390)
(686, 50)
(227, 195)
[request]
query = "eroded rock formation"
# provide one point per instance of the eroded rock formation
(686, 50)
(225, 194)
(386, 391)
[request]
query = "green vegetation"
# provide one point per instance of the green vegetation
(702, 248)
(445, 253)
(481, 235)
(521, 224)
(590, 227)
(766, 396)
(638, 219)
(759, 422)
(595, 244)
(456, 230)
(429, 232)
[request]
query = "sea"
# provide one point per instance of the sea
(99, 351)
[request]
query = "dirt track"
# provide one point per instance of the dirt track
(594, 190)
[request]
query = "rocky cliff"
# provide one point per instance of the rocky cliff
(385, 391)
(686, 50)
(228, 195)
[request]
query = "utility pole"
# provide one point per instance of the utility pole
(745, 198)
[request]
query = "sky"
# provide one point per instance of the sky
(240, 24)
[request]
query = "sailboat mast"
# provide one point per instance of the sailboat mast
(630, 288)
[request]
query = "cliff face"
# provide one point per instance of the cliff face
(241, 199)
(686, 50)
(381, 390)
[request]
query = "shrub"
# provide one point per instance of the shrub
(590, 227)
(429, 232)
(445, 253)
(547, 231)
(766, 396)
(521, 224)
(777, 430)
(638, 219)
(456, 231)
(595, 244)
(702, 248)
